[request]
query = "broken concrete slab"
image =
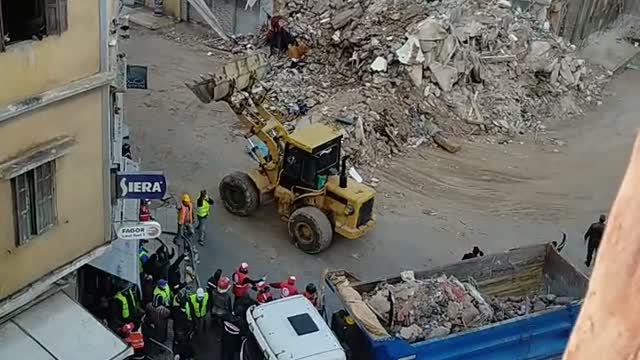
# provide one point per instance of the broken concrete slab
(344, 16)
(410, 53)
(379, 64)
(445, 75)
(415, 73)
(431, 30)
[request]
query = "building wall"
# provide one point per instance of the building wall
(79, 188)
(38, 66)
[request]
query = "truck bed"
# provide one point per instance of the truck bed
(534, 269)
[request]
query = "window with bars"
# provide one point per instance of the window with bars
(34, 201)
(22, 20)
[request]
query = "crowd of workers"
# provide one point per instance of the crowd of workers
(166, 296)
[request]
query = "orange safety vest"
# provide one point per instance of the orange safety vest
(185, 214)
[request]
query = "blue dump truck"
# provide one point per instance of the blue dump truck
(537, 270)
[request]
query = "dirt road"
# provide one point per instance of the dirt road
(432, 206)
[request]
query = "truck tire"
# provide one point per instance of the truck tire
(239, 194)
(310, 230)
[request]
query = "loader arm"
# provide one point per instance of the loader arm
(237, 78)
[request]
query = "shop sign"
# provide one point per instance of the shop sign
(139, 231)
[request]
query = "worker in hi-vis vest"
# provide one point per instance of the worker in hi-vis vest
(203, 205)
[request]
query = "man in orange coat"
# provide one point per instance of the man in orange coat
(185, 217)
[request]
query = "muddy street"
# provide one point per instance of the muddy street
(432, 206)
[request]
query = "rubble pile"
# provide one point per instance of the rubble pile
(421, 309)
(398, 70)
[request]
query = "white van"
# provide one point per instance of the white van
(290, 328)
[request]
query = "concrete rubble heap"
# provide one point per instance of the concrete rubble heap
(422, 309)
(394, 72)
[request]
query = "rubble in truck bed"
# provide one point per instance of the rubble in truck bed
(392, 73)
(422, 309)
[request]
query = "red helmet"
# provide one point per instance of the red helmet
(223, 284)
(292, 280)
(244, 267)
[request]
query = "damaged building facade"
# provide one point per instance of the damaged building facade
(55, 189)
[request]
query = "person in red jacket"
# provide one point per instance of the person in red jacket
(145, 211)
(241, 280)
(287, 288)
(311, 294)
(264, 293)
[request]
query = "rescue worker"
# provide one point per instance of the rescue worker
(198, 308)
(185, 217)
(133, 338)
(264, 293)
(162, 294)
(473, 254)
(145, 210)
(202, 211)
(220, 301)
(143, 256)
(592, 237)
(125, 308)
(287, 288)
(180, 311)
(231, 337)
(183, 334)
(212, 282)
(311, 293)
(241, 280)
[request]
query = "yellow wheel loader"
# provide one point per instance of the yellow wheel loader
(302, 170)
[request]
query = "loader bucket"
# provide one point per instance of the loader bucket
(237, 75)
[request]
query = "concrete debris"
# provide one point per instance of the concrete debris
(410, 53)
(485, 68)
(439, 306)
(379, 64)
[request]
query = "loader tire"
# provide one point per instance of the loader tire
(310, 230)
(239, 194)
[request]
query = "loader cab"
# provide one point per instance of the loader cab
(311, 155)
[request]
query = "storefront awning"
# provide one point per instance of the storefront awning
(57, 328)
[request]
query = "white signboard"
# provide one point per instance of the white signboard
(142, 230)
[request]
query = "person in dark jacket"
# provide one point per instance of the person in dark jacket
(592, 237)
(164, 261)
(473, 254)
(241, 304)
(175, 275)
(220, 301)
(212, 283)
(231, 337)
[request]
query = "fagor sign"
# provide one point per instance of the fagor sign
(141, 185)
(142, 230)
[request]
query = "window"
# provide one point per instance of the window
(34, 201)
(303, 324)
(31, 20)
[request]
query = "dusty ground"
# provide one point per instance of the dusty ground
(432, 206)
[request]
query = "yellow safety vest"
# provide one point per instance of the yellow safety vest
(165, 293)
(199, 311)
(140, 254)
(125, 303)
(204, 209)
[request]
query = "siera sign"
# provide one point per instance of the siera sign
(139, 231)
(141, 185)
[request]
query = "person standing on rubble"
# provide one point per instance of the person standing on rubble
(592, 237)
(202, 211)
